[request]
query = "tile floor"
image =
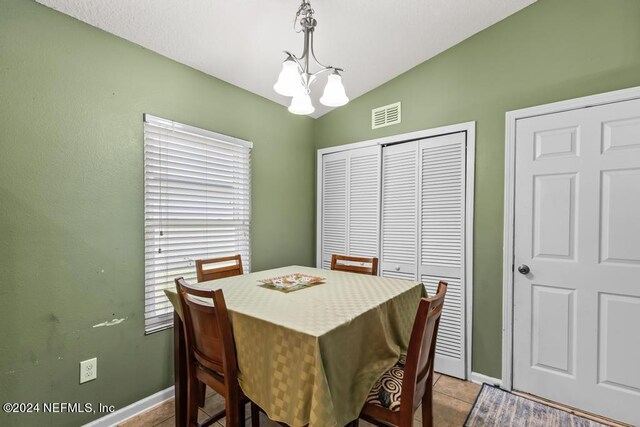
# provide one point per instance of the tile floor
(452, 401)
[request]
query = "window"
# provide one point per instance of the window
(197, 194)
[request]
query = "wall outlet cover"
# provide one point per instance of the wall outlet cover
(88, 370)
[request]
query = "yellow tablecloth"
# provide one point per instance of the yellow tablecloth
(312, 355)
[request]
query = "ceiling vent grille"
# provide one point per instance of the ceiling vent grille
(386, 116)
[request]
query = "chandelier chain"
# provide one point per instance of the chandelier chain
(307, 21)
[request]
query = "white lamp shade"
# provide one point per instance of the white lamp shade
(289, 81)
(334, 95)
(301, 104)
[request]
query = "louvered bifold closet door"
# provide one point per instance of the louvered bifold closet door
(441, 247)
(364, 202)
(197, 187)
(334, 206)
(400, 210)
(350, 203)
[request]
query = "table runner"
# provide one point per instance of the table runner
(311, 356)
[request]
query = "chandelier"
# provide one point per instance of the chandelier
(295, 79)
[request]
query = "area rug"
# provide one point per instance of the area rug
(496, 407)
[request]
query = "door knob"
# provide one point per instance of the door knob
(397, 268)
(524, 269)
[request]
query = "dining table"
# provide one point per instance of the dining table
(309, 356)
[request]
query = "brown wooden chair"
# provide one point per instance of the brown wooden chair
(206, 274)
(211, 354)
(232, 266)
(398, 393)
(345, 263)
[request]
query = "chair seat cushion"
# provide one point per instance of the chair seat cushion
(387, 390)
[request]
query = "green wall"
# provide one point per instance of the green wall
(551, 51)
(71, 203)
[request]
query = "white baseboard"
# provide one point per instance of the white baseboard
(482, 378)
(134, 409)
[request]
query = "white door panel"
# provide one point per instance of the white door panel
(405, 203)
(334, 205)
(423, 230)
(364, 202)
(400, 210)
(441, 232)
(350, 203)
(577, 227)
(620, 232)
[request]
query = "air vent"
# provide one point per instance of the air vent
(386, 116)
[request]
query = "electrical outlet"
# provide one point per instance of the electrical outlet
(88, 370)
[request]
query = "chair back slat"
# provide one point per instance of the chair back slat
(206, 342)
(231, 266)
(350, 264)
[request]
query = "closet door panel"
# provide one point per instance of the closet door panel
(399, 210)
(351, 203)
(405, 203)
(441, 241)
(334, 206)
(364, 202)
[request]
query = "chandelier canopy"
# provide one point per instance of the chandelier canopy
(295, 79)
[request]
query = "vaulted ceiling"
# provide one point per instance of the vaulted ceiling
(241, 41)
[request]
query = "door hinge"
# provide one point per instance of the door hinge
(513, 268)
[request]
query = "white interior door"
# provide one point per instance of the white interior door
(350, 203)
(577, 228)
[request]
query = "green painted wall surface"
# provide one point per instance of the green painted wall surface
(551, 51)
(71, 203)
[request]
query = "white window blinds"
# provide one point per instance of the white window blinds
(197, 194)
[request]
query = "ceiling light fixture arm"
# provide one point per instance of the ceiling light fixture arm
(313, 54)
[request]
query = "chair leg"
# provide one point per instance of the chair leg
(255, 415)
(427, 403)
(193, 395)
(232, 411)
(241, 412)
(202, 395)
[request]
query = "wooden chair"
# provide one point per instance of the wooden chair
(206, 274)
(398, 393)
(211, 354)
(338, 264)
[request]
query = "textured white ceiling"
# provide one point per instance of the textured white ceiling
(241, 41)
